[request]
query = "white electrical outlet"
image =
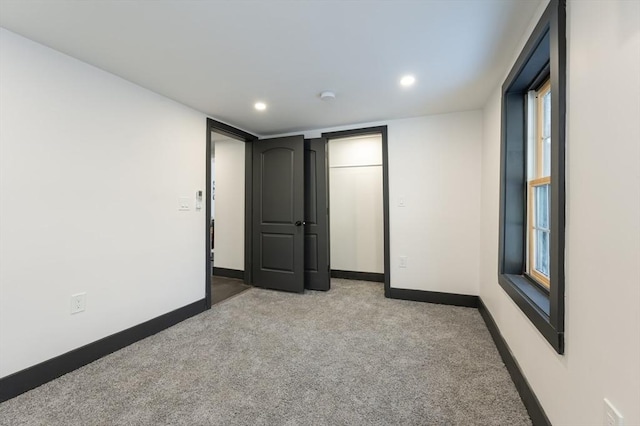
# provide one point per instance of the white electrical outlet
(403, 261)
(612, 417)
(401, 202)
(78, 302)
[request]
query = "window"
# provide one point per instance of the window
(539, 184)
(532, 199)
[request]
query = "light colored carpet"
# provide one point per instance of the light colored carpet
(345, 357)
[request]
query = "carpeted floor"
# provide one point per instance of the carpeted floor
(344, 357)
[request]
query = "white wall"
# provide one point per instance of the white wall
(213, 178)
(356, 215)
(434, 165)
(602, 358)
(229, 220)
(91, 169)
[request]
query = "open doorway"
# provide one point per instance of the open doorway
(359, 204)
(226, 232)
(227, 218)
(356, 216)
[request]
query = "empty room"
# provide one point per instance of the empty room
(269, 212)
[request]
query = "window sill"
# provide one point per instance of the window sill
(535, 304)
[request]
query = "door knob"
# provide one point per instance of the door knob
(298, 223)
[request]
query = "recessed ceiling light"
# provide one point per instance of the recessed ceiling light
(407, 80)
(260, 106)
(327, 95)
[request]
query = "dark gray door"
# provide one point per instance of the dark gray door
(316, 215)
(278, 213)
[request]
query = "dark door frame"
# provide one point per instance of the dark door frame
(248, 138)
(382, 131)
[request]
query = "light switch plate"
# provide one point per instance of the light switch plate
(184, 204)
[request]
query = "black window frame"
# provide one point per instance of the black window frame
(544, 55)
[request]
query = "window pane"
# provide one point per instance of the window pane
(546, 115)
(542, 252)
(546, 135)
(546, 157)
(542, 206)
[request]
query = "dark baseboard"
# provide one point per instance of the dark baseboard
(535, 410)
(360, 276)
(434, 297)
(229, 273)
(32, 377)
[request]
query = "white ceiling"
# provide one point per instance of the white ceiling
(220, 57)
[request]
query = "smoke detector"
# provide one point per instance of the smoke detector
(327, 95)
